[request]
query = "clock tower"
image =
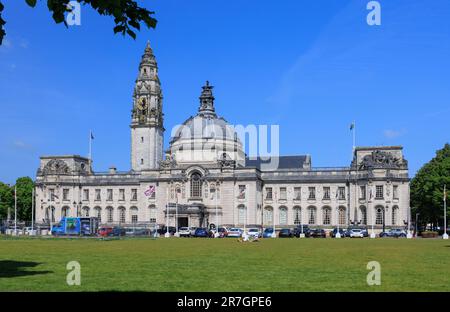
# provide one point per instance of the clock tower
(147, 118)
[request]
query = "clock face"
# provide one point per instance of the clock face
(142, 104)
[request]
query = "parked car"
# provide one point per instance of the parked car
(141, 232)
(268, 232)
(254, 232)
(356, 233)
(118, 231)
(201, 232)
(192, 230)
(302, 229)
(184, 231)
(235, 232)
(285, 233)
(365, 232)
(105, 231)
(341, 231)
(394, 233)
(163, 230)
(318, 233)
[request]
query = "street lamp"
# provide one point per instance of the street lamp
(417, 215)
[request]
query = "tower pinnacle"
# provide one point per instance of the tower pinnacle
(207, 101)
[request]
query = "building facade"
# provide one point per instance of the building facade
(206, 178)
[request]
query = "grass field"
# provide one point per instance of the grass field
(224, 264)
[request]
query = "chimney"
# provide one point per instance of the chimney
(112, 169)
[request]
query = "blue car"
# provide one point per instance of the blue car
(201, 232)
(268, 232)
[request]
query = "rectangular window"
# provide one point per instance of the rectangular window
(362, 192)
(134, 194)
(395, 192)
(379, 192)
(65, 194)
(86, 195)
(341, 192)
(109, 194)
(51, 194)
(98, 196)
(269, 194)
(326, 193)
(312, 193)
(134, 218)
(121, 194)
(297, 193)
(283, 194)
(241, 192)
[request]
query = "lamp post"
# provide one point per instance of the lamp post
(176, 213)
(338, 234)
(417, 215)
(167, 234)
(445, 236)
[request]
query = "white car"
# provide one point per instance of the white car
(254, 232)
(356, 233)
(184, 231)
(235, 232)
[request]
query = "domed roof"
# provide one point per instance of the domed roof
(206, 124)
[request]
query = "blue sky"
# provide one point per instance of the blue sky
(310, 66)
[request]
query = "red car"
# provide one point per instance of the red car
(105, 231)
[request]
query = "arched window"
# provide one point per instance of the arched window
(326, 213)
(109, 214)
(98, 213)
(268, 215)
(394, 215)
(283, 216)
(242, 214)
(297, 215)
(311, 215)
(152, 214)
(85, 212)
(379, 215)
(196, 185)
(342, 216)
(134, 214)
(363, 214)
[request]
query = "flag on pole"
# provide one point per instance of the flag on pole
(352, 125)
(92, 135)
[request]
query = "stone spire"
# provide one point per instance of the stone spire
(207, 102)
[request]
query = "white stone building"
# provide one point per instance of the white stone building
(206, 176)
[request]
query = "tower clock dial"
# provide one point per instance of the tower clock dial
(142, 105)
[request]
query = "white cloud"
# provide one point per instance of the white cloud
(19, 144)
(392, 134)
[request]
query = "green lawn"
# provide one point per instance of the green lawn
(224, 264)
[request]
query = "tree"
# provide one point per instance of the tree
(427, 187)
(128, 16)
(6, 200)
(24, 187)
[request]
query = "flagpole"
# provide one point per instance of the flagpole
(445, 236)
(90, 150)
(15, 210)
(354, 136)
